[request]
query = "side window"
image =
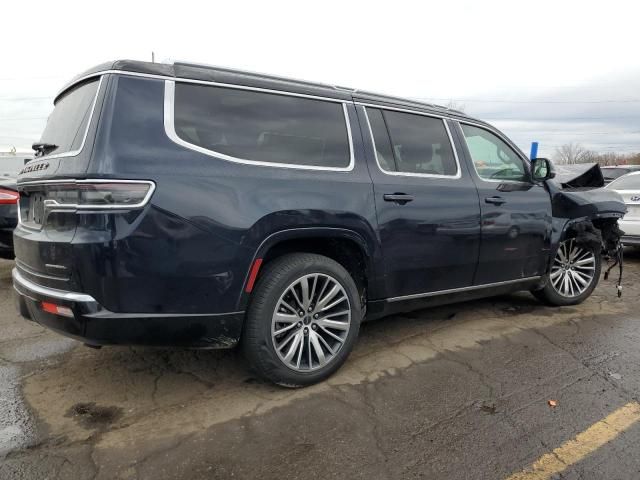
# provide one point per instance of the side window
(262, 127)
(492, 158)
(420, 144)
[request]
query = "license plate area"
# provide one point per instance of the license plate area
(36, 209)
(31, 206)
(633, 212)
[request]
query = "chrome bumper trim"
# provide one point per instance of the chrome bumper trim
(20, 281)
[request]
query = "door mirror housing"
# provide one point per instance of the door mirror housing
(542, 169)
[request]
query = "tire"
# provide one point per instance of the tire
(270, 311)
(558, 293)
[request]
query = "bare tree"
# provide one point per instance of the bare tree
(572, 153)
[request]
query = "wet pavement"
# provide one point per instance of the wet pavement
(454, 392)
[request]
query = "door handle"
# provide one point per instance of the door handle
(495, 200)
(399, 198)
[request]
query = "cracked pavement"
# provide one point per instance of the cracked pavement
(453, 392)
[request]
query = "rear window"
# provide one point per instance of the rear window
(262, 127)
(67, 124)
(628, 182)
(611, 173)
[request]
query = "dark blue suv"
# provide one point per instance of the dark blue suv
(194, 206)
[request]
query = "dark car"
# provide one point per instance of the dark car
(195, 206)
(612, 172)
(8, 215)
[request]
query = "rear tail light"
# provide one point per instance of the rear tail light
(95, 194)
(8, 197)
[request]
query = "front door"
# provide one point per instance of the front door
(516, 213)
(426, 202)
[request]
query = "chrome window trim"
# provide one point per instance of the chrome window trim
(199, 82)
(169, 127)
(502, 137)
(461, 289)
(398, 109)
(457, 175)
(75, 153)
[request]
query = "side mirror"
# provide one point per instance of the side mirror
(542, 169)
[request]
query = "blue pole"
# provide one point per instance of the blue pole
(534, 150)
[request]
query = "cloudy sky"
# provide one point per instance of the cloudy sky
(552, 71)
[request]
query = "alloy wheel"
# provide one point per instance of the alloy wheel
(573, 269)
(311, 322)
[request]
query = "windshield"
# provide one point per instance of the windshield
(628, 182)
(67, 124)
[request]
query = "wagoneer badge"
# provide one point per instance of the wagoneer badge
(635, 198)
(35, 168)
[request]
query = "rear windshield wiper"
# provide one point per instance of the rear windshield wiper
(43, 148)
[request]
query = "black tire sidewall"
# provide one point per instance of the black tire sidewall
(257, 342)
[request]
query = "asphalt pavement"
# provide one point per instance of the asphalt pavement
(492, 389)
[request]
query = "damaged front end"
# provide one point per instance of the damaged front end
(585, 211)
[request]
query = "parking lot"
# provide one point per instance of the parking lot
(462, 391)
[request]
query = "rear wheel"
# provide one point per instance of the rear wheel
(573, 276)
(302, 321)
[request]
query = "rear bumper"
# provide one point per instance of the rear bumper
(631, 229)
(631, 240)
(94, 325)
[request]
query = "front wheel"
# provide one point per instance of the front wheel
(573, 276)
(302, 321)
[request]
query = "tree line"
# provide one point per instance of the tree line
(573, 153)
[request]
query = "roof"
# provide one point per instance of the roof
(209, 73)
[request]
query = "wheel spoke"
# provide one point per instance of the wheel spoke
(333, 324)
(336, 314)
(296, 297)
(561, 254)
(304, 286)
(313, 338)
(331, 334)
(284, 318)
(284, 329)
(313, 288)
(286, 305)
(327, 298)
(339, 300)
(555, 273)
(294, 347)
(583, 283)
(327, 346)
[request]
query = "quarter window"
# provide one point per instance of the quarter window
(67, 124)
(419, 144)
(492, 158)
(262, 127)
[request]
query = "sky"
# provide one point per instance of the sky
(551, 71)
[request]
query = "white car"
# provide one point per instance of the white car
(628, 186)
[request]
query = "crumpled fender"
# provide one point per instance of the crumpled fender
(575, 209)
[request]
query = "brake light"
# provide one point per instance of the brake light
(8, 197)
(56, 309)
(95, 194)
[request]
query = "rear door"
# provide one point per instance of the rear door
(516, 213)
(426, 202)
